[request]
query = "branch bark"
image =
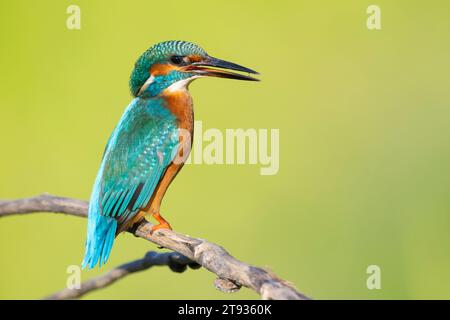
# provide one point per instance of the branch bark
(231, 272)
(175, 261)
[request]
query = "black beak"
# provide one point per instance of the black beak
(208, 65)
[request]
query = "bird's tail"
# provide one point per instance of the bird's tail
(101, 232)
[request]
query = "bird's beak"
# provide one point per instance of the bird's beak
(207, 67)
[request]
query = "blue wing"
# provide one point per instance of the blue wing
(138, 152)
(137, 155)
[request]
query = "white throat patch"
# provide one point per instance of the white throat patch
(181, 85)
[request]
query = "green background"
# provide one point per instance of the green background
(364, 121)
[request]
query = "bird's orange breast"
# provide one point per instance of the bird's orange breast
(180, 105)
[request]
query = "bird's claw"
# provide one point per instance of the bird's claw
(163, 225)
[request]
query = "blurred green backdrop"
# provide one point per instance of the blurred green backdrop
(364, 121)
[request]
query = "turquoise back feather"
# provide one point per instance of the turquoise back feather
(138, 152)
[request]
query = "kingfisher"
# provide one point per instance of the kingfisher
(147, 148)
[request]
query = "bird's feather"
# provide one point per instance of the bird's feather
(138, 152)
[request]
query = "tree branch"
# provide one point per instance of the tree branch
(174, 260)
(44, 203)
(232, 273)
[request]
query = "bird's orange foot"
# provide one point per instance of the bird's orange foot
(163, 224)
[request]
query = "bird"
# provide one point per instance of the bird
(139, 160)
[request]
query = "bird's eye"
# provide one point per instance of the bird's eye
(177, 60)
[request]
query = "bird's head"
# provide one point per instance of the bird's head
(174, 64)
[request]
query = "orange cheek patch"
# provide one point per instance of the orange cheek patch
(195, 58)
(161, 69)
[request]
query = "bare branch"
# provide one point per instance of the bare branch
(231, 272)
(174, 260)
(44, 203)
